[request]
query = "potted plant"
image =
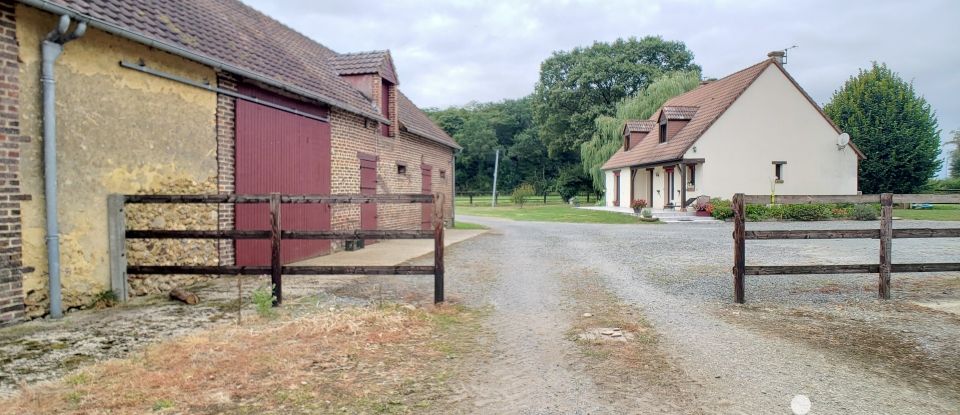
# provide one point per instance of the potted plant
(702, 206)
(637, 205)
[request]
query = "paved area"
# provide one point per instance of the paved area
(678, 276)
(391, 252)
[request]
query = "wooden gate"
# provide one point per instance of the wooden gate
(281, 152)
(426, 187)
(885, 234)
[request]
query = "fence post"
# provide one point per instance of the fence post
(544, 198)
(438, 251)
(886, 242)
(117, 229)
(739, 252)
(275, 263)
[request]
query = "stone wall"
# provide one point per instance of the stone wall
(119, 131)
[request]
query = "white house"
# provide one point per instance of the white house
(751, 130)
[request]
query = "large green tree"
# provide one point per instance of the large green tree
(955, 154)
(893, 126)
(607, 136)
(577, 86)
(481, 128)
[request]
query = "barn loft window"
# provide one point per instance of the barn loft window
(401, 168)
(443, 174)
(778, 171)
(663, 128)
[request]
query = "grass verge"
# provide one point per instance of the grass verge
(550, 213)
(939, 212)
(361, 360)
(467, 225)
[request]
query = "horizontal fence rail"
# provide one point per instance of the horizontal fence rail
(119, 234)
(235, 199)
(885, 234)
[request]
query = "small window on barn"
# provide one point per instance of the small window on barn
(778, 171)
(443, 174)
(401, 168)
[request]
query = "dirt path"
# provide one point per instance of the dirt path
(535, 363)
(675, 276)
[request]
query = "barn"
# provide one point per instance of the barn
(188, 96)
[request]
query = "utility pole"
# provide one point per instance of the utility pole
(496, 166)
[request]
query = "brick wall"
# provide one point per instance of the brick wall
(349, 134)
(226, 156)
(11, 261)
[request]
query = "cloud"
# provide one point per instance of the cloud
(453, 52)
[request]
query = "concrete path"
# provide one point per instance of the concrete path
(391, 252)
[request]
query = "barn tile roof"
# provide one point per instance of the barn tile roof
(638, 126)
(231, 32)
(414, 120)
(356, 63)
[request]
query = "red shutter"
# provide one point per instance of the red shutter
(426, 187)
(368, 187)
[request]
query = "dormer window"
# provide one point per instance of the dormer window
(663, 128)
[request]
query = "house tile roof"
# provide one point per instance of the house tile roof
(679, 113)
(638, 126)
(414, 120)
(230, 32)
(377, 61)
(709, 101)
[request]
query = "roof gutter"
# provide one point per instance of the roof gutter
(111, 28)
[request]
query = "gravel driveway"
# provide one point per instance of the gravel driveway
(678, 276)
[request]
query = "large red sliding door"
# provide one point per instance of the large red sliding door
(368, 187)
(277, 151)
(426, 187)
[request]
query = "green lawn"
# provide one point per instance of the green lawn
(939, 212)
(548, 213)
(467, 225)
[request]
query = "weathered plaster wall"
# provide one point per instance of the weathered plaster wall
(119, 131)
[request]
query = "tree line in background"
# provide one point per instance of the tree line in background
(557, 138)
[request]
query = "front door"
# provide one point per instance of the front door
(368, 187)
(426, 187)
(668, 187)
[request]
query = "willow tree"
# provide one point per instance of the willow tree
(607, 137)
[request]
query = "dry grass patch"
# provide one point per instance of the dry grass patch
(631, 368)
(360, 360)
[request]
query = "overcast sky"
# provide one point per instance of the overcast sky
(453, 52)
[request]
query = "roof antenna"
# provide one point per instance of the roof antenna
(785, 53)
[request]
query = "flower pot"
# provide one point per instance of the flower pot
(636, 211)
(702, 213)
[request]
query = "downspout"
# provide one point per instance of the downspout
(51, 48)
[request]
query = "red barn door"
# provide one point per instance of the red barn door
(426, 187)
(278, 151)
(368, 187)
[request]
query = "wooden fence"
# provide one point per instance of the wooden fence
(118, 235)
(885, 234)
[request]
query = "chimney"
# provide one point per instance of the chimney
(777, 55)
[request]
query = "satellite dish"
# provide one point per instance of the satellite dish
(842, 141)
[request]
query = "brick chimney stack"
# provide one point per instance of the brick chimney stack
(777, 55)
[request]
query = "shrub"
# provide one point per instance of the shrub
(263, 298)
(755, 212)
(646, 213)
(864, 212)
(775, 212)
(809, 212)
(722, 209)
(521, 193)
